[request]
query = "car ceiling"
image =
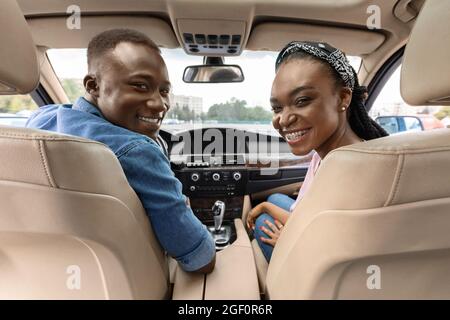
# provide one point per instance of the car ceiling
(267, 25)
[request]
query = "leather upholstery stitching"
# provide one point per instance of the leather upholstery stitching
(45, 164)
(394, 152)
(396, 182)
(43, 137)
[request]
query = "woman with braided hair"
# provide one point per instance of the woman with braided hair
(318, 105)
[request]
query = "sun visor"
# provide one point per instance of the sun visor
(53, 32)
(274, 36)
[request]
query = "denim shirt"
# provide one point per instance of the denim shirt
(148, 172)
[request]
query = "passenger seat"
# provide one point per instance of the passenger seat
(375, 223)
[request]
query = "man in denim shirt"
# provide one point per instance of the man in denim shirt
(127, 96)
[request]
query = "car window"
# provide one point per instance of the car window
(15, 109)
(390, 103)
(244, 105)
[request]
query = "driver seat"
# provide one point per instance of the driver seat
(67, 209)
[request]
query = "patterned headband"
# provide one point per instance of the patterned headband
(324, 51)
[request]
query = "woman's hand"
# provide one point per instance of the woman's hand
(274, 232)
(253, 214)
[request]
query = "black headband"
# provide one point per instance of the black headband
(335, 57)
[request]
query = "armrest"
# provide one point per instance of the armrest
(234, 276)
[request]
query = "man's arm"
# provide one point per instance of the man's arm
(178, 230)
(209, 267)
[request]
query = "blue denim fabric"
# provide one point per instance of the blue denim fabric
(280, 200)
(148, 172)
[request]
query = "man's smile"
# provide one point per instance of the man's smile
(150, 120)
(154, 119)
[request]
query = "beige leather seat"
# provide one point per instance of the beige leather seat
(376, 222)
(70, 225)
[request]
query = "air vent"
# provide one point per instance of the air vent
(188, 38)
(200, 39)
(212, 37)
(223, 44)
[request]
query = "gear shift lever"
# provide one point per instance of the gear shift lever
(218, 210)
(221, 234)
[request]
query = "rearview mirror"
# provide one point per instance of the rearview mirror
(213, 74)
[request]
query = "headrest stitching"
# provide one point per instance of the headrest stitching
(398, 173)
(40, 137)
(45, 164)
(395, 152)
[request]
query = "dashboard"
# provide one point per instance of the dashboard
(226, 164)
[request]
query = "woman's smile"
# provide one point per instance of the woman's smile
(296, 136)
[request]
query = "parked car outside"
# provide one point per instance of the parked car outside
(399, 124)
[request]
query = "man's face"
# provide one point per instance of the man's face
(133, 88)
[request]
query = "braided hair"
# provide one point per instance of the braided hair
(360, 121)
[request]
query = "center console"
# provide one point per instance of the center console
(216, 186)
(207, 179)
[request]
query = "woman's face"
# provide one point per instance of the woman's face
(307, 106)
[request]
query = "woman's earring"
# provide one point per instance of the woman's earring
(343, 108)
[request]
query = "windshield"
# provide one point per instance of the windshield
(243, 105)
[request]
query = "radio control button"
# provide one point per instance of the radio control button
(195, 177)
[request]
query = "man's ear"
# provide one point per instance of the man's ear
(91, 85)
(345, 98)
